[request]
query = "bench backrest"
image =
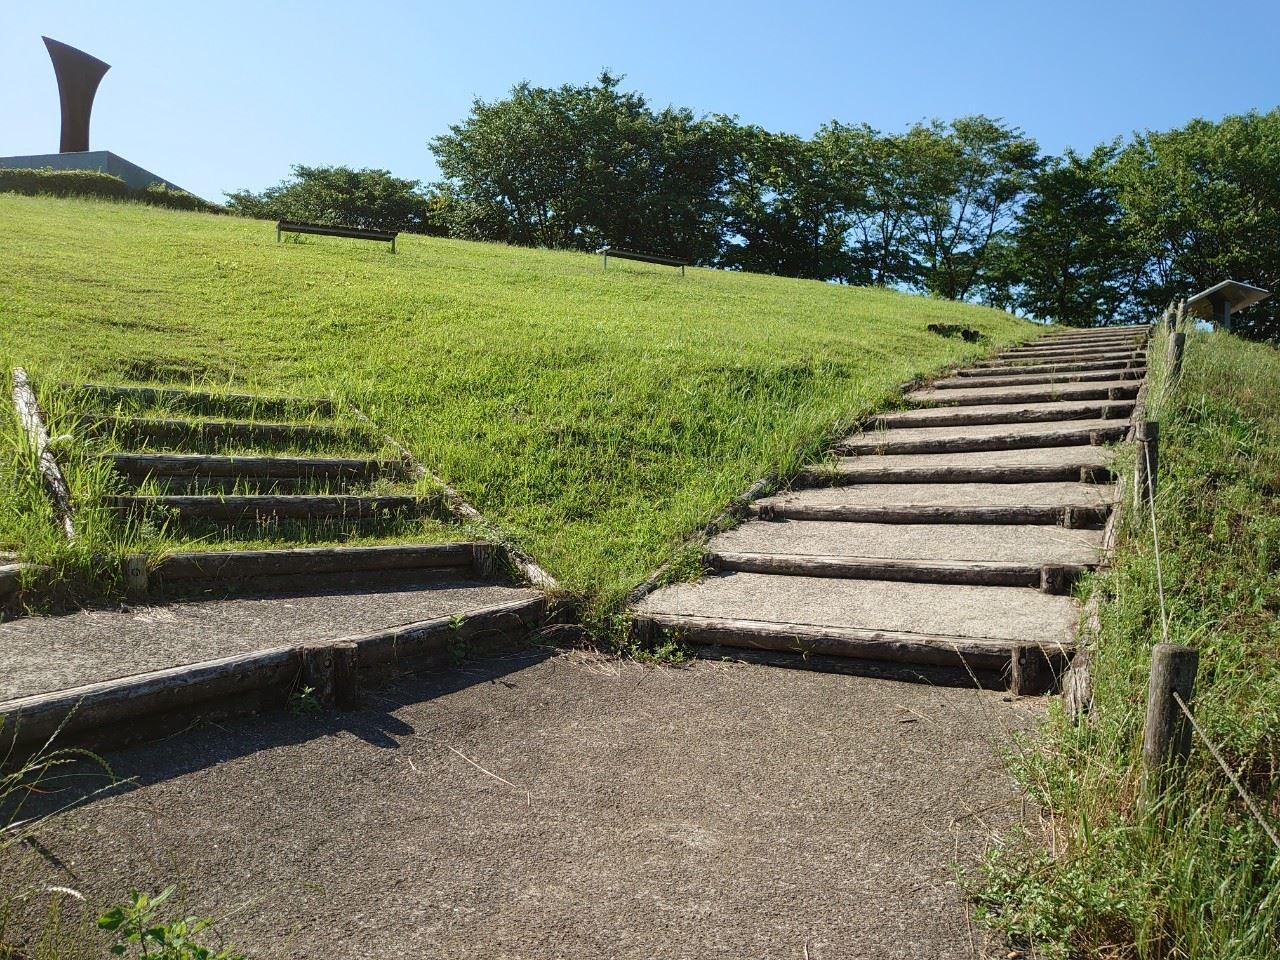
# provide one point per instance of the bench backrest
(320, 229)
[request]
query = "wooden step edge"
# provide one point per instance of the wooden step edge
(471, 557)
(12, 575)
(1076, 339)
(1055, 578)
(974, 381)
(951, 417)
(1041, 369)
(170, 430)
(820, 475)
(151, 394)
(1016, 366)
(979, 655)
(1065, 356)
(1074, 517)
(1029, 395)
(873, 446)
(142, 465)
(298, 506)
(143, 706)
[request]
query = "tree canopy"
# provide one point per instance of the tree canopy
(968, 209)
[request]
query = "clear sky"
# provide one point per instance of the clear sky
(221, 95)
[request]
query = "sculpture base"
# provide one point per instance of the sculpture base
(104, 161)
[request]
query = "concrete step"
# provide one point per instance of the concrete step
(1073, 505)
(1136, 336)
(451, 559)
(1043, 393)
(1065, 464)
(1045, 557)
(252, 404)
(971, 379)
(978, 627)
(1066, 354)
(235, 509)
(1097, 333)
(1054, 411)
(1022, 370)
(138, 466)
(176, 432)
(1000, 436)
(1137, 358)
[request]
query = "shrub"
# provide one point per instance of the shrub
(94, 183)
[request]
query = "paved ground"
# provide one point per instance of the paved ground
(42, 654)
(724, 810)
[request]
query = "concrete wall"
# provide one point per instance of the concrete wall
(102, 160)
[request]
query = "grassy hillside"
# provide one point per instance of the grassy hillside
(598, 417)
(1193, 876)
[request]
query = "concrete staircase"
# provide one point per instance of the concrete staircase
(943, 539)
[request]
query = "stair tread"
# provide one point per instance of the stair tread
(1000, 614)
(924, 542)
(890, 436)
(1023, 392)
(1054, 411)
(1077, 456)
(1047, 494)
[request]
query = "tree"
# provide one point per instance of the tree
(340, 196)
(1071, 260)
(583, 166)
(968, 178)
(888, 171)
(1204, 202)
(791, 205)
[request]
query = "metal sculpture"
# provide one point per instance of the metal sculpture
(78, 77)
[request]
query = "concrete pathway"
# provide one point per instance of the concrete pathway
(568, 807)
(946, 535)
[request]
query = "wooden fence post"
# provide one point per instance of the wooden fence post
(1166, 739)
(1147, 435)
(1177, 342)
(346, 675)
(24, 401)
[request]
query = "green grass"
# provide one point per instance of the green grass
(597, 417)
(1193, 876)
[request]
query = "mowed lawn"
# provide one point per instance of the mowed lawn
(599, 417)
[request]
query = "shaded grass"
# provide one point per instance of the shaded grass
(1193, 876)
(597, 417)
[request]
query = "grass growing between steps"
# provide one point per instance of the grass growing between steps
(598, 417)
(1194, 876)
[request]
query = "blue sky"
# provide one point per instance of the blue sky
(217, 96)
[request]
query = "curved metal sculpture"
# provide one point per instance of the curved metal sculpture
(78, 77)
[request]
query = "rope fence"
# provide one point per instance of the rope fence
(1173, 667)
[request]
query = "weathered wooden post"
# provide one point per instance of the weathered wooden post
(32, 419)
(1029, 673)
(1147, 435)
(317, 672)
(1177, 342)
(136, 576)
(346, 676)
(1166, 739)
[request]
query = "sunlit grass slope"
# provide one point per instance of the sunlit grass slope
(599, 417)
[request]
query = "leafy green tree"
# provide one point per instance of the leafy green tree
(888, 172)
(969, 176)
(1204, 202)
(1071, 260)
(340, 196)
(791, 205)
(583, 166)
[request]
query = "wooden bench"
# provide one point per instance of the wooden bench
(643, 258)
(319, 229)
